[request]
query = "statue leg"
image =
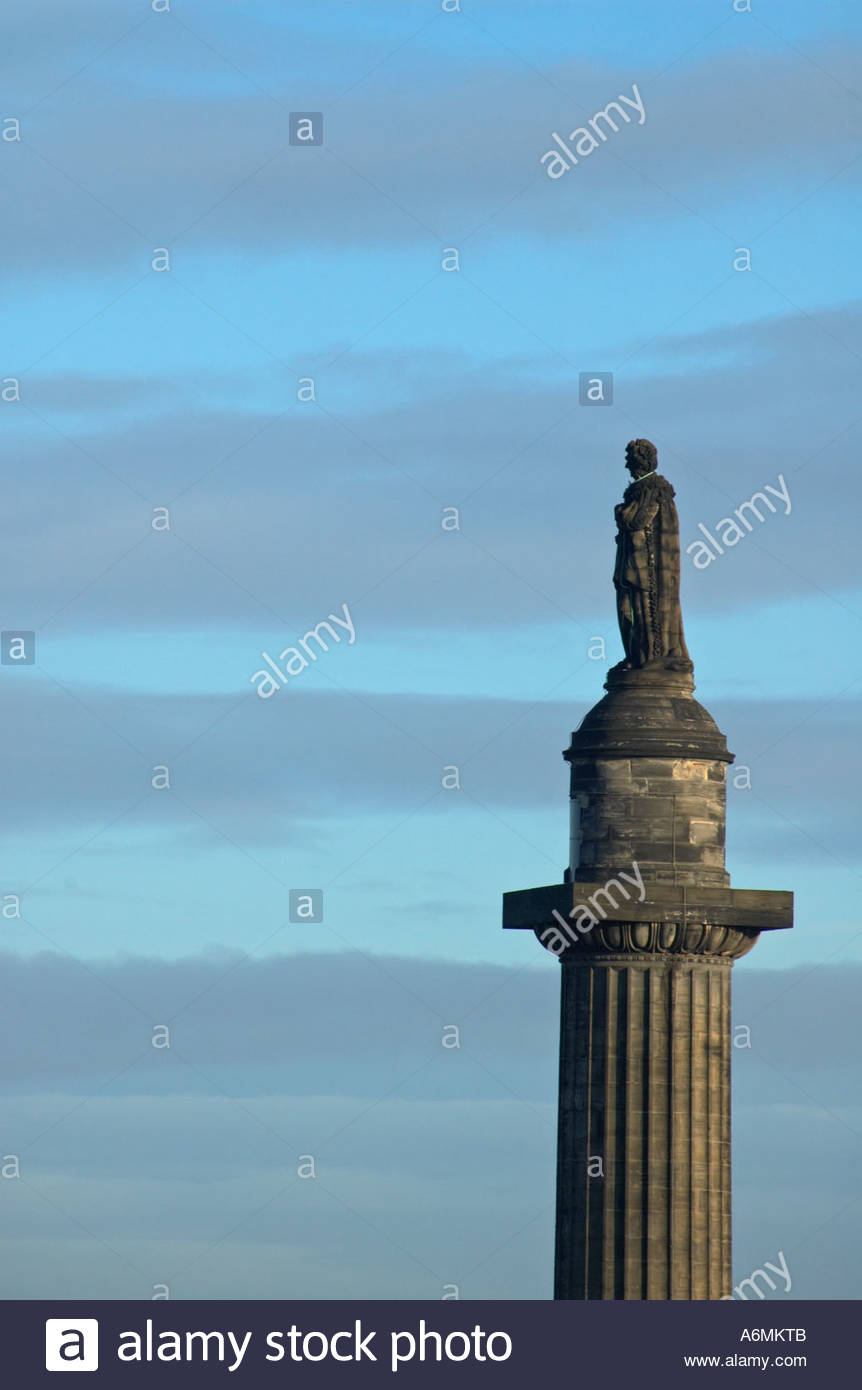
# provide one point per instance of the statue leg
(641, 639)
(625, 620)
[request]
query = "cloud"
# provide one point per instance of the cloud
(82, 755)
(432, 1165)
(156, 163)
(311, 1018)
(300, 1013)
(288, 774)
(269, 504)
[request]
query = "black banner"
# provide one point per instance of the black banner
(407, 1344)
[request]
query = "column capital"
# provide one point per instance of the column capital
(621, 917)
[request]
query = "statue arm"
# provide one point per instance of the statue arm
(638, 515)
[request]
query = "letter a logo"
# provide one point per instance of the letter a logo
(71, 1344)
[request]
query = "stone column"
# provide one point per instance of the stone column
(643, 1173)
(646, 927)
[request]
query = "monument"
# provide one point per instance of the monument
(646, 927)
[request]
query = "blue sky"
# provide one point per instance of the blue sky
(434, 389)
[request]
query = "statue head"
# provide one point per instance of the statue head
(641, 457)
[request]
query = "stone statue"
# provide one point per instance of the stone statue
(646, 576)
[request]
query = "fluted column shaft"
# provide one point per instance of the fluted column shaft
(643, 1179)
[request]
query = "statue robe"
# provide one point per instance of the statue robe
(646, 575)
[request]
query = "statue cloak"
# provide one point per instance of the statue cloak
(647, 573)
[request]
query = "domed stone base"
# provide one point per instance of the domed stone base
(648, 783)
(649, 712)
